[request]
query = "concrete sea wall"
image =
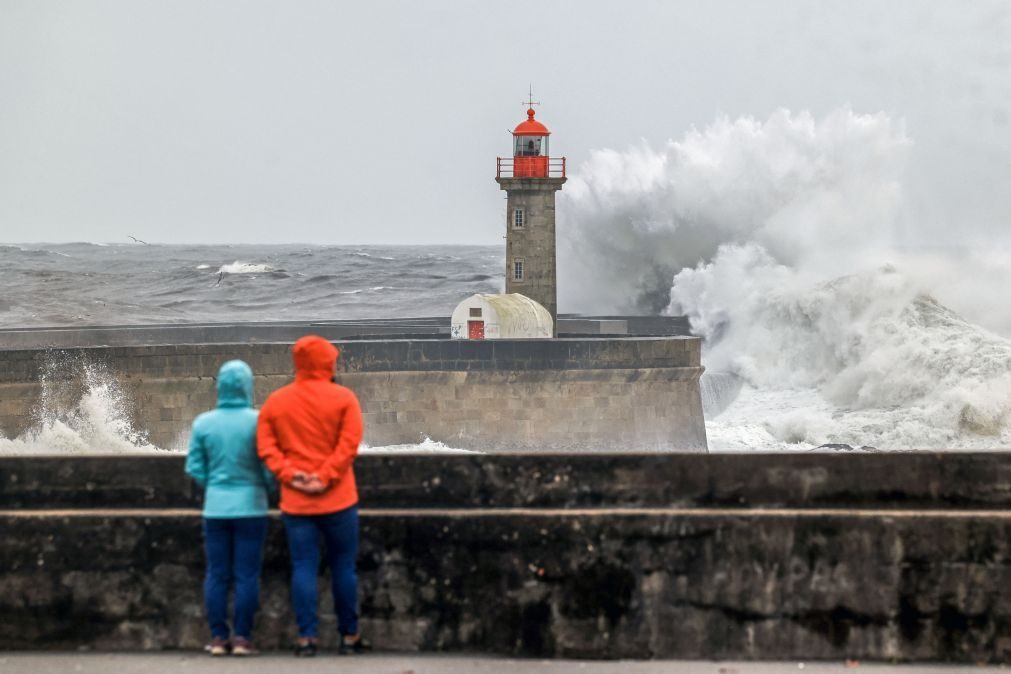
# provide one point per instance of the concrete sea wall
(768, 556)
(289, 331)
(639, 393)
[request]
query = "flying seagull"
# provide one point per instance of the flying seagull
(136, 240)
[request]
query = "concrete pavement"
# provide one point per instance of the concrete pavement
(198, 663)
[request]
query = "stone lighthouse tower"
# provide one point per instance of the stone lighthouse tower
(531, 178)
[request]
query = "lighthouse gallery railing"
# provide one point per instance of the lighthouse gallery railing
(530, 167)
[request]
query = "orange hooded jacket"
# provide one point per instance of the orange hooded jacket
(312, 425)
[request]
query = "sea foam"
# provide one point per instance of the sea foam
(82, 408)
(786, 244)
(238, 267)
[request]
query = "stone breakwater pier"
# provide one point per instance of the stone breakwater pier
(602, 393)
(901, 556)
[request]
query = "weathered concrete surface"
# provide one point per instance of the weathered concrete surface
(569, 325)
(566, 583)
(87, 663)
(540, 556)
(910, 480)
(217, 333)
(588, 394)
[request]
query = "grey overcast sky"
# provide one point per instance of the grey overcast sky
(379, 122)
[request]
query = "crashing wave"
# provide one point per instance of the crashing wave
(238, 267)
(779, 236)
(82, 408)
(802, 188)
(898, 369)
(719, 390)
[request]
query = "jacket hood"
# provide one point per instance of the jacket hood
(314, 358)
(235, 385)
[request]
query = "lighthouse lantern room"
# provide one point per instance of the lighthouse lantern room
(531, 158)
(530, 148)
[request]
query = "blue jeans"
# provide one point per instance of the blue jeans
(234, 552)
(340, 532)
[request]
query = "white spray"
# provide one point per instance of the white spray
(81, 408)
(789, 251)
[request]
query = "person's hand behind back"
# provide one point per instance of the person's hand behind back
(310, 483)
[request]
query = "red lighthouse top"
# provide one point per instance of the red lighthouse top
(530, 151)
(531, 127)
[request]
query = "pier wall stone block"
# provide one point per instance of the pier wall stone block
(568, 394)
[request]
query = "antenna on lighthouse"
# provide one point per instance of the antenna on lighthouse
(530, 102)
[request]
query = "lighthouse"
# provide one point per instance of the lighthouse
(530, 179)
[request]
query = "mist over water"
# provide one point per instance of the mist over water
(788, 244)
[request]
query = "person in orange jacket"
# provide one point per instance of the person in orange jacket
(308, 435)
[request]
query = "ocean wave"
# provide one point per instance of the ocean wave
(431, 277)
(803, 188)
(778, 237)
(82, 408)
(32, 252)
(303, 283)
(427, 446)
(238, 267)
(359, 253)
(887, 365)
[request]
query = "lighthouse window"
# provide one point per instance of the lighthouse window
(531, 146)
(519, 219)
(517, 270)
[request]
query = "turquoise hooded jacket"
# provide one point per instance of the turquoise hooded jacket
(222, 457)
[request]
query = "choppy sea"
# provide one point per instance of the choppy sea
(862, 360)
(114, 284)
(127, 284)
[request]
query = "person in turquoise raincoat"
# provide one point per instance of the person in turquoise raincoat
(223, 460)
